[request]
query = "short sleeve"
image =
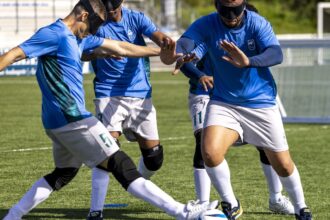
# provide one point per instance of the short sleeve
(265, 34)
(44, 41)
(92, 42)
(146, 27)
(196, 31)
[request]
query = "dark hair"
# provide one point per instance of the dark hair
(251, 7)
(97, 6)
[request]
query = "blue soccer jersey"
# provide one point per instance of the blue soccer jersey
(128, 76)
(248, 87)
(59, 72)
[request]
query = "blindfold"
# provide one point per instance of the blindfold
(230, 13)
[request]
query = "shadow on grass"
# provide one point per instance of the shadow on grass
(250, 215)
(72, 214)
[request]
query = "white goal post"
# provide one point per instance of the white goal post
(323, 11)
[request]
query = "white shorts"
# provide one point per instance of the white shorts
(259, 127)
(197, 107)
(86, 141)
(128, 115)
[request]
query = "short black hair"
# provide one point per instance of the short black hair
(97, 6)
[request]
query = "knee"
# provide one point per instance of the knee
(153, 158)
(285, 168)
(122, 168)
(61, 177)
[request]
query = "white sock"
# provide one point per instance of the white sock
(143, 170)
(100, 182)
(39, 192)
(149, 192)
(220, 177)
(293, 186)
(274, 183)
(202, 185)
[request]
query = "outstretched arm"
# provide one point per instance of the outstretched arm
(125, 49)
(12, 56)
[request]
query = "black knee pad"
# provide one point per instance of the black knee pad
(153, 158)
(263, 157)
(123, 169)
(198, 159)
(61, 177)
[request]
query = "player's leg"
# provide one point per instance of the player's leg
(221, 130)
(290, 178)
(201, 178)
(152, 156)
(267, 129)
(125, 172)
(67, 166)
(141, 126)
(112, 114)
(100, 182)
(278, 203)
(197, 109)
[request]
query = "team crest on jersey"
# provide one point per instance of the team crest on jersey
(130, 34)
(251, 44)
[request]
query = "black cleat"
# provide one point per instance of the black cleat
(231, 213)
(304, 214)
(95, 215)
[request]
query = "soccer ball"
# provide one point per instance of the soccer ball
(212, 214)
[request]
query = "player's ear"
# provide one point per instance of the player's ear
(83, 16)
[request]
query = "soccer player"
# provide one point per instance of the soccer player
(123, 95)
(243, 105)
(77, 136)
(201, 84)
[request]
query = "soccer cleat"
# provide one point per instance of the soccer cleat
(232, 213)
(304, 214)
(282, 206)
(194, 209)
(95, 215)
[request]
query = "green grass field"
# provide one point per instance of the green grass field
(25, 156)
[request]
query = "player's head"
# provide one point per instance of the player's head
(90, 14)
(231, 11)
(113, 8)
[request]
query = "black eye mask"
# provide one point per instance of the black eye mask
(95, 21)
(112, 5)
(230, 13)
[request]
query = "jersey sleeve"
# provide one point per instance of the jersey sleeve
(92, 42)
(265, 35)
(44, 41)
(197, 33)
(146, 27)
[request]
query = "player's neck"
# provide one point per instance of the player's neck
(71, 22)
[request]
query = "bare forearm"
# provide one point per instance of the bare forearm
(12, 56)
(125, 49)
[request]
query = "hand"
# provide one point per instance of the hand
(207, 82)
(168, 53)
(182, 60)
(235, 55)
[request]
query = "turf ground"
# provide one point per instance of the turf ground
(25, 156)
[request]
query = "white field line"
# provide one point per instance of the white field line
(162, 139)
(124, 142)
